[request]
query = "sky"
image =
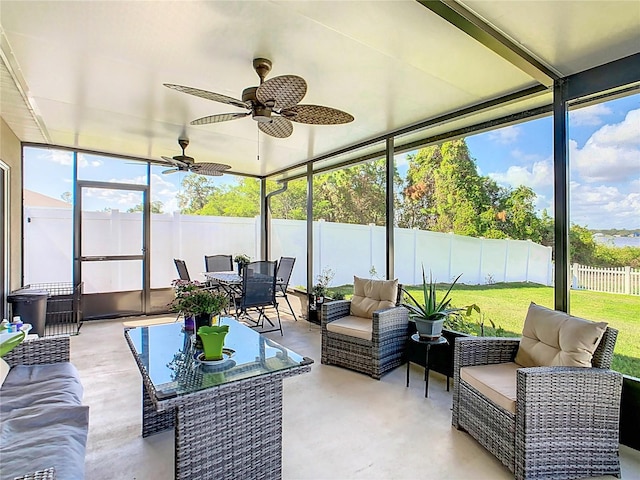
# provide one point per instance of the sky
(604, 155)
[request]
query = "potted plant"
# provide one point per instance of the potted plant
(241, 260)
(212, 339)
(320, 289)
(430, 315)
(193, 300)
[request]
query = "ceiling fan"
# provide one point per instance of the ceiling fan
(273, 104)
(183, 163)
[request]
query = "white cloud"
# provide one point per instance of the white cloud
(164, 191)
(538, 175)
(603, 206)
(61, 157)
(588, 116)
(505, 135)
(612, 153)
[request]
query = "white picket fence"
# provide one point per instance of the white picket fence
(625, 280)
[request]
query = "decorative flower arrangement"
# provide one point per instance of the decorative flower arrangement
(193, 299)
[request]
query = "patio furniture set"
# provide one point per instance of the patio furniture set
(546, 405)
(256, 287)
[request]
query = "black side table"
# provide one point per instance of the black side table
(427, 342)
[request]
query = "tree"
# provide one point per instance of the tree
(156, 207)
(353, 195)
(67, 197)
(196, 192)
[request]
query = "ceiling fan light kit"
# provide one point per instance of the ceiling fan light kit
(274, 104)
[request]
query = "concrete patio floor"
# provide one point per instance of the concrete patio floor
(337, 424)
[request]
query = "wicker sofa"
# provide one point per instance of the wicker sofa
(564, 422)
(44, 424)
(374, 345)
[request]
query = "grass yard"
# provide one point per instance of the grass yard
(506, 305)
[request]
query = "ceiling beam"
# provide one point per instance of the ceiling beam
(475, 27)
(431, 122)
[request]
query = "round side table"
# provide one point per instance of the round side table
(428, 342)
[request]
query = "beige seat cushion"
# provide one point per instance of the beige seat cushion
(371, 295)
(553, 338)
(496, 382)
(353, 326)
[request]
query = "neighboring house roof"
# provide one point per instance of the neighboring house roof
(35, 199)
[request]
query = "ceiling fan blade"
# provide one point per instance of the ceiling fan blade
(222, 117)
(281, 92)
(216, 97)
(214, 169)
(171, 170)
(278, 127)
(175, 162)
(316, 115)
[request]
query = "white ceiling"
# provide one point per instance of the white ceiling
(90, 73)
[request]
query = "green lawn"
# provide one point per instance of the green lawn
(506, 305)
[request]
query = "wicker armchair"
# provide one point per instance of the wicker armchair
(566, 420)
(381, 353)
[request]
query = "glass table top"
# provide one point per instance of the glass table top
(169, 356)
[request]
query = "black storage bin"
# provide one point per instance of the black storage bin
(31, 305)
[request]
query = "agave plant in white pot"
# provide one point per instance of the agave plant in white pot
(431, 314)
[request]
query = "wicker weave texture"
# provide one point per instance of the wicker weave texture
(47, 474)
(577, 410)
(567, 418)
(152, 420)
(375, 357)
(40, 350)
(238, 435)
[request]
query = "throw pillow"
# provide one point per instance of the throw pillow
(554, 338)
(371, 295)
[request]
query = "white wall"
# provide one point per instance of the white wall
(344, 248)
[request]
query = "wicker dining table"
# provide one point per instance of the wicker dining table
(219, 410)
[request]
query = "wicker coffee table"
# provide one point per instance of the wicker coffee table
(220, 412)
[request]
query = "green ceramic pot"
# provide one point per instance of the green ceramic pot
(212, 339)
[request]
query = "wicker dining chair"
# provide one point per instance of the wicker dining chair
(373, 345)
(564, 422)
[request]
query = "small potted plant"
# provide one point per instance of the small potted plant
(430, 314)
(241, 260)
(192, 299)
(321, 287)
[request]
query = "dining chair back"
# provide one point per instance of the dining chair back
(283, 275)
(258, 294)
(181, 266)
(218, 263)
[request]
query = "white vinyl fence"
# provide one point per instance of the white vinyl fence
(346, 249)
(611, 280)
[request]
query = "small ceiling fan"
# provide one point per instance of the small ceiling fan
(183, 163)
(273, 104)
